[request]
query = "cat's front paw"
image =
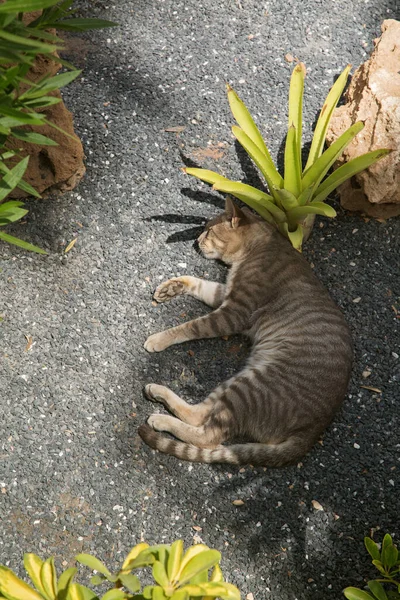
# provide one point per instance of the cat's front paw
(157, 422)
(169, 289)
(156, 342)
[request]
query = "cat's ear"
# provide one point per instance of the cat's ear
(233, 213)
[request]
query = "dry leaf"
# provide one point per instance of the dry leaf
(177, 129)
(372, 389)
(335, 516)
(29, 342)
(225, 337)
(310, 580)
(238, 502)
(289, 58)
(197, 528)
(190, 352)
(70, 245)
(250, 596)
(317, 505)
(366, 374)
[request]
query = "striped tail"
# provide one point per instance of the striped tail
(258, 455)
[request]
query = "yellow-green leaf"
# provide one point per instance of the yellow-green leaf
(325, 115)
(48, 577)
(315, 208)
(203, 174)
(201, 562)
(93, 563)
(292, 177)
(134, 553)
(353, 593)
(246, 122)
(346, 171)
(296, 107)
(64, 582)
(287, 199)
(174, 559)
(160, 574)
(33, 565)
(266, 167)
(14, 588)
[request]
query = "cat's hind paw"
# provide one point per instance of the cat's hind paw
(156, 342)
(169, 289)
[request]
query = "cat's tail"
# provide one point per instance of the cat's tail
(261, 455)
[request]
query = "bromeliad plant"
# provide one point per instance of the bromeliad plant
(178, 575)
(386, 560)
(20, 43)
(299, 195)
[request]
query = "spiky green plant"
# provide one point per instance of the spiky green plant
(299, 195)
(177, 575)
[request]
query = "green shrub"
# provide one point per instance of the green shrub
(296, 198)
(177, 575)
(20, 44)
(386, 560)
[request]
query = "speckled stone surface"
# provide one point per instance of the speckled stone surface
(73, 473)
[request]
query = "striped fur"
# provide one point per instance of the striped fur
(298, 370)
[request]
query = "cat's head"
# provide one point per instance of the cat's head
(229, 236)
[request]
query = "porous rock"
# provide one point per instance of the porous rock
(373, 97)
(51, 169)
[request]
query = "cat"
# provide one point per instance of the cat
(298, 371)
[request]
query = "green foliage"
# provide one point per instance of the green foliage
(386, 561)
(296, 198)
(20, 44)
(178, 575)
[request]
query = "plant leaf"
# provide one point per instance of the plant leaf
(131, 582)
(270, 173)
(256, 199)
(93, 563)
(32, 562)
(201, 562)
(296, 237)
(353, 593)
(316, 208)
(377, 589)
(379, 566)
(287, 199)
(64, 582)
(114, 594)
(346, 171)
(372, 548)
(33, 138)
(296, 107)
(48, 577)
(160, 574)
(78, 24)
(11, 179)
(305, 196)
(203, 174)
(49, 84)
(13, 587)
(174, 559)
(325, 115)
(319, 169)
(246, 123)
(14, 6)
(292, 177)
(389, 555)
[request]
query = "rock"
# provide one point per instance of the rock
(374, 97)
(51, 169)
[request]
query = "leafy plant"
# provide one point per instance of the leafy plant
(20, 98)
(178, 575)
(299, 195)
(386, 560)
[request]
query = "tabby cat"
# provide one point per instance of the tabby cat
(299, 367)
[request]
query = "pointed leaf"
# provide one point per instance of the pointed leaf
(305, 196)
(134, 553)
(287, 199)
(353, 593)
(64, 583)
(389, 555)
(158, 594)
(93, 563)
(203, 174)
(259, 201)
(48, 577)
(387, 541)
(372, 548)
(292, 177)
(10, 216)
(13, 587)
(216, 574)
(325, 115)
(314, 175)
(316, 208)
(201, 562)
(191, 553)
(14, 6)
(84, 24)
(97, 580)
(378, 590)
(379, 566)
(114, 594)
(33, 138)
(246, 123)
(11, 179)
(266, 167)
(48, 84)
(347, 171)
(174, 559)
(42, 102)
(32, 562)
(131, 582)
(295, 237)
(296, 107)
(160, 574)
(17, 242)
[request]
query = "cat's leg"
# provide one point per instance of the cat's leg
(193, 414)
(202, 437)
(209, 292)
(225, 320)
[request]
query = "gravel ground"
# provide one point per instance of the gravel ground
(73, 472)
